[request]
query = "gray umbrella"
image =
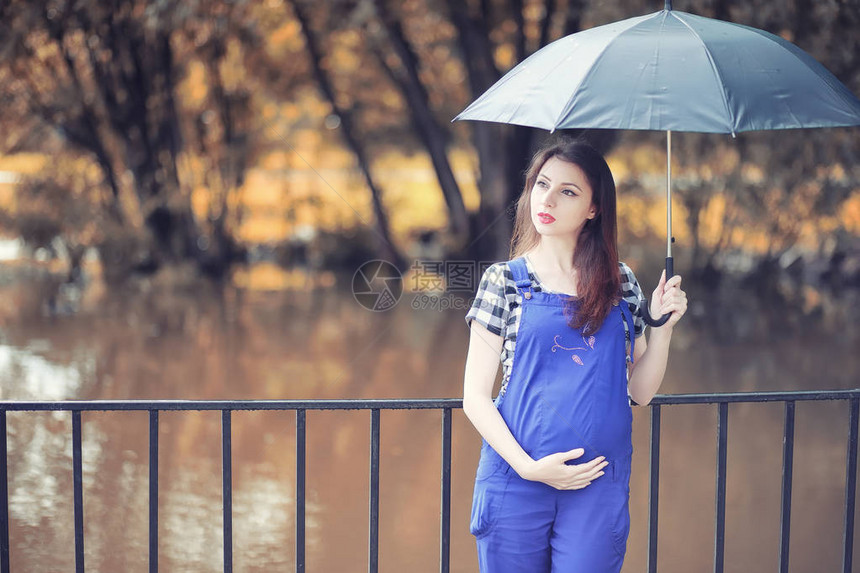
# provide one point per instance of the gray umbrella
(669, 71)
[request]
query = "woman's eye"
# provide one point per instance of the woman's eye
(569, 192)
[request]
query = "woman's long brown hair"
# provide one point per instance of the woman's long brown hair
(595, 258)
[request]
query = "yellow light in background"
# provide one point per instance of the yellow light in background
(849, 214)
(267, 276)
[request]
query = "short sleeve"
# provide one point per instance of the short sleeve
(490, 306)
(631, 292)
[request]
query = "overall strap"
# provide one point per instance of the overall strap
(521, 276)
(629, 329)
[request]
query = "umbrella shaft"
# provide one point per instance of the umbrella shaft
(668, 194)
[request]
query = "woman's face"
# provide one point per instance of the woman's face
(561, 199)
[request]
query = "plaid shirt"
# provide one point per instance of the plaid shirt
(498, 304)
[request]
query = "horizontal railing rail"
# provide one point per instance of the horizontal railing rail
(201, 405)
(226, 407)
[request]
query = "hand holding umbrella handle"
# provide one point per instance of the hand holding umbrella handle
(649, 320)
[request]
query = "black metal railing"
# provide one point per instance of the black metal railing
(852, 397)
(226, 408)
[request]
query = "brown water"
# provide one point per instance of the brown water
(199, 344)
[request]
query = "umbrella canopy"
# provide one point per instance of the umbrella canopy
(669, 71)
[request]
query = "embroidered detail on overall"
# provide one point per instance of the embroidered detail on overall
(589, 344)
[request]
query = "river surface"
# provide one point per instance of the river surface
(319, 343)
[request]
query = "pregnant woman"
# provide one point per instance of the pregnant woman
(563, 315)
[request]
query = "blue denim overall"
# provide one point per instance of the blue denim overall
(565, 391)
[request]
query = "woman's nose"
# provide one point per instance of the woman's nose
(546, 198)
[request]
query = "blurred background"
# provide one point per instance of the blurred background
(187, 190)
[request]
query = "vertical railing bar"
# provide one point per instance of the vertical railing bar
(153, 491)
(227, 488)
(787, 469)
(720, 502)
(78, 486)
(654, 488)
(4, 497)
(301, 425)
(373, 549)
(445, 525)
(850, 488)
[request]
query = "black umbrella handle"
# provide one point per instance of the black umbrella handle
(646, 312)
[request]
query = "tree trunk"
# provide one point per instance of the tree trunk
(145, 121)
(494, 226)
(386, 246)
(496, 213)
(431, 133)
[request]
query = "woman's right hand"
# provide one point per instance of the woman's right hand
(553, 471)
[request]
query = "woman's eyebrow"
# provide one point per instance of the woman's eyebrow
(566, 183)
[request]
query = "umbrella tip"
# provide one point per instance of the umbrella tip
(668, 6)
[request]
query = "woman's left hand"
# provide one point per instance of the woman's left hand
(668, 297)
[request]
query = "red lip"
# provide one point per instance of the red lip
(546, 217)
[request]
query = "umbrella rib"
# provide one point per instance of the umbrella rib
(810, 64)
(546, 75)
(716, 73)
(569, 105)
(782, 103)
